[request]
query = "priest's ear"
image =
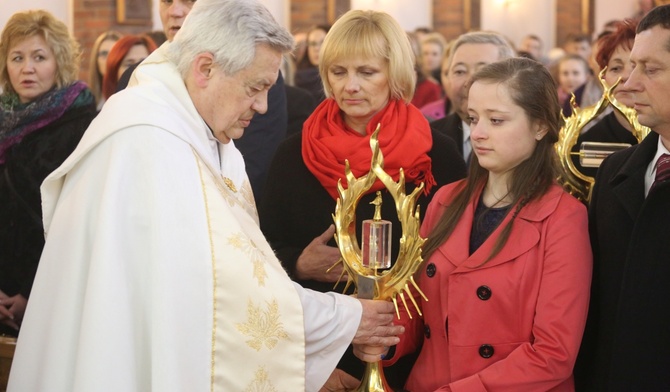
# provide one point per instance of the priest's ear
(203, 68)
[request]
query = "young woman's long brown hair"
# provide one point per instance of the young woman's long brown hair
(533, 89)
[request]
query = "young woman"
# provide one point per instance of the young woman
(613, 53)
(97, 65)
(507, 261)
(307, 73)
(127, 51)
(573, 75)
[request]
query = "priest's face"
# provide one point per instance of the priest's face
(228, 102)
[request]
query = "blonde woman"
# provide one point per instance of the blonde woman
(368, 81)
(97, 63)
(44, 111)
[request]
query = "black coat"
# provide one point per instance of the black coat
(451, 126)
(27, 164)
(309, 79)
(607, 130)
(626, 345)
(261, 138)
(300, 104)
(296, 208)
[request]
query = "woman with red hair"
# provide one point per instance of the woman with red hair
(613, 53)
(127, 51)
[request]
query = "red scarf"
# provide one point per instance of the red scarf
(404, 140)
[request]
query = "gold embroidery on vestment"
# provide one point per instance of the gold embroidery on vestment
(263, 326)
(214, 285)
(235, 241)
(229, 183)
(248, 194)
(261, 383)
(229, 193)
(243, 243)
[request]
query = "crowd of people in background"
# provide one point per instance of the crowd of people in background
(572, 65)
(530, 289)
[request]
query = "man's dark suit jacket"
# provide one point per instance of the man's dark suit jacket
(626, 345)
(300, 104)
(452, 126)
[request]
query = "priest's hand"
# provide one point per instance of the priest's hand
(370, 353)
(376, 327)
(317, 258)
(340, 381)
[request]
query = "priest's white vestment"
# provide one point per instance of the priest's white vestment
(155, 275)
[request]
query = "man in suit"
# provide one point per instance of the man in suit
(300, 104)
(626, 345)
(470, 52)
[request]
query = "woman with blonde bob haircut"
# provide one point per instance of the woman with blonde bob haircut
(370, 34)
(97, 66)
(65, 48)
(367, 67)
(44, 111)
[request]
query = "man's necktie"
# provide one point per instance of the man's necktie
(662, 170)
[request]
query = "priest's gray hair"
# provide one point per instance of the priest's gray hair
(230, 30)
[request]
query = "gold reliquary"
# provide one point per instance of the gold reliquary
(370, 269)
(591, 154)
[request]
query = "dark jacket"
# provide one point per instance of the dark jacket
(27, 164)
(451, 126)
(309, 79)
(300, 104)
(626, 345)
(567, 107)
(607, 130)
(261, 138)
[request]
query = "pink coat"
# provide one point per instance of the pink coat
(514, 323)
(434, 110)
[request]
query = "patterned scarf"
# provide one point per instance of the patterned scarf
(404, 140)
(18, 120)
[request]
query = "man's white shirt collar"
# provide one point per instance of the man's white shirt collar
(651, 169)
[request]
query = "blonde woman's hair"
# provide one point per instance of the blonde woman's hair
(27, 24)
(371, 34)
(94, 75)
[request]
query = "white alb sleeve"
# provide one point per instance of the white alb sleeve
(331, 322)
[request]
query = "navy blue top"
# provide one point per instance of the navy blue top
(486, 220)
